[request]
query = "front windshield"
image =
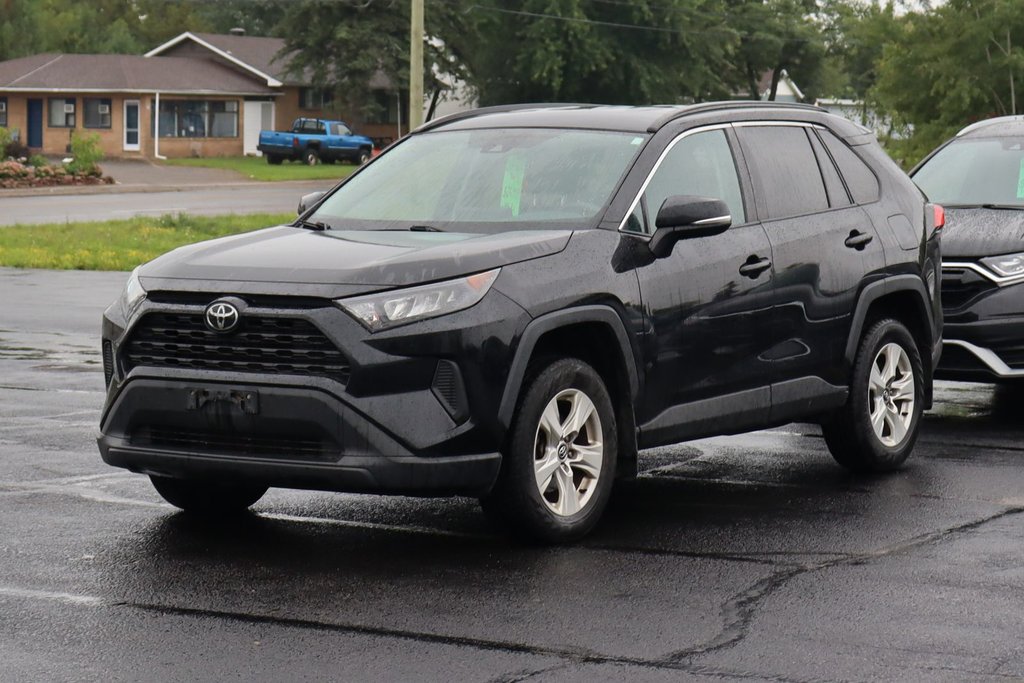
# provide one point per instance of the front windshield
(486, 180)
(974, 172)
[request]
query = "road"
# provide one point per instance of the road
(745, 557)
(241, 198)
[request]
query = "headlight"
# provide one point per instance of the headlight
(399, 306)
(132, 296)
(1009, 265)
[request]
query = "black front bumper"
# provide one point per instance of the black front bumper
(983, 332)
(286, 436)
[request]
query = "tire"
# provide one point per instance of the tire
(364, 156)
(886, 357)
(543, 417)
(207, 497)
(311, 157)
(274, 160)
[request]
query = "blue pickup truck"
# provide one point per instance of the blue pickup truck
(313, 141)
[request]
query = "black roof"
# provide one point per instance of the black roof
(645, 119)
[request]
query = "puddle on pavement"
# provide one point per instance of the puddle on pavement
(60, 357)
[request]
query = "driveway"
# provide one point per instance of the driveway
(136, 173)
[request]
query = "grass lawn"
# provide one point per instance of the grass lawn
(117, 245)
(257, 168)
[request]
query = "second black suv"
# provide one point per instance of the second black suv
(510, 303)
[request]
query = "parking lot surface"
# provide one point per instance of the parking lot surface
(750, 556)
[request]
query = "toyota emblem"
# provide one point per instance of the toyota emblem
(221, 316)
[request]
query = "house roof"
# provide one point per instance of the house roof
(126, 73)
(261, 56)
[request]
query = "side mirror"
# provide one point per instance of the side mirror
(684, 217)
(309, 200)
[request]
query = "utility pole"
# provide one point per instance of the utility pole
(416, 65)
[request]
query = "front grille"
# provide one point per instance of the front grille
(288, 446)
(262, 344)
(961, 287)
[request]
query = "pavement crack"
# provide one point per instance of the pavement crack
(525, 674)
(738, 612)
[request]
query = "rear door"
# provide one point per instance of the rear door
(708, 303)
(823, 245)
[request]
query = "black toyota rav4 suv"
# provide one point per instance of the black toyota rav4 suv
(511, 302)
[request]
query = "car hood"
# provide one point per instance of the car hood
(342, 262)
(971, 233)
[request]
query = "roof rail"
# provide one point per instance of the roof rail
(687, 109)
(496, 109)
(989, 122)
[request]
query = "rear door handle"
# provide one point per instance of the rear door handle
(858, 240)
(754, 266)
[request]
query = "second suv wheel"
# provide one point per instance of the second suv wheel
(557, 471)
(876, 429)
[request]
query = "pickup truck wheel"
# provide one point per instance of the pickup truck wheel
(274, 159)
(205, 496)
(364, 156)
(311, 157)
(877, 428)
(557, 471)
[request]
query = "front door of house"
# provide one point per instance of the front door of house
(35, 124)
(131, 125)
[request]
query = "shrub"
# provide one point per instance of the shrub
(5, 139)
(38, 160)
(86, 152)
(16, 150)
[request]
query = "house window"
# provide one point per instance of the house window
(315, 98)
(3, 112)
(386, 107)
(96, 112)
(198, 119)
(62, 112)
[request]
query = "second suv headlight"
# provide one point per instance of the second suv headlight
(132, 296)
(1007, 265)
(399, 306)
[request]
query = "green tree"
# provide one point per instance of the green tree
(20, 33)
(958, 63)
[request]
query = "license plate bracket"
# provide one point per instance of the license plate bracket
(247, 400)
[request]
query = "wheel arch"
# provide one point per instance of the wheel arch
(606, 347)
(904, 298)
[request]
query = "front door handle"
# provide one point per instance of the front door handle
(754, 266)
(858, 240)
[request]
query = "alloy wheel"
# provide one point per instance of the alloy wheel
(568, 452)
(891, 394)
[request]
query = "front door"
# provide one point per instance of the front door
(708, 304)
(35, 124)
(131, 125)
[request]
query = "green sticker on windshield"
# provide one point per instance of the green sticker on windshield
(1020, 181)
(512, 184)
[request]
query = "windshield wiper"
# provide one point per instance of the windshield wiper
(424, 228)
(314, 225)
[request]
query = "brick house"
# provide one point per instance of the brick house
(214, 93)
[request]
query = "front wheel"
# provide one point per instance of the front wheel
(364, 157)
(274, 160)
(557, 471)
(207, 497)
(877, 428)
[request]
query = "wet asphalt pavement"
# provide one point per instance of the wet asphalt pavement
(740, 557)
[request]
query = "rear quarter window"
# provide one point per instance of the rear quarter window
(859, 177)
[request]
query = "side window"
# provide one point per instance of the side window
(859, 178)
(341, 129)
(700, 164)
(784, 170)
(837, 194)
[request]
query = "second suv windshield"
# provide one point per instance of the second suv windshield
(975, 172)
(486, 180)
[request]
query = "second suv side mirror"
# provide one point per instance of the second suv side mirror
(309, 200)
(686, 216)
